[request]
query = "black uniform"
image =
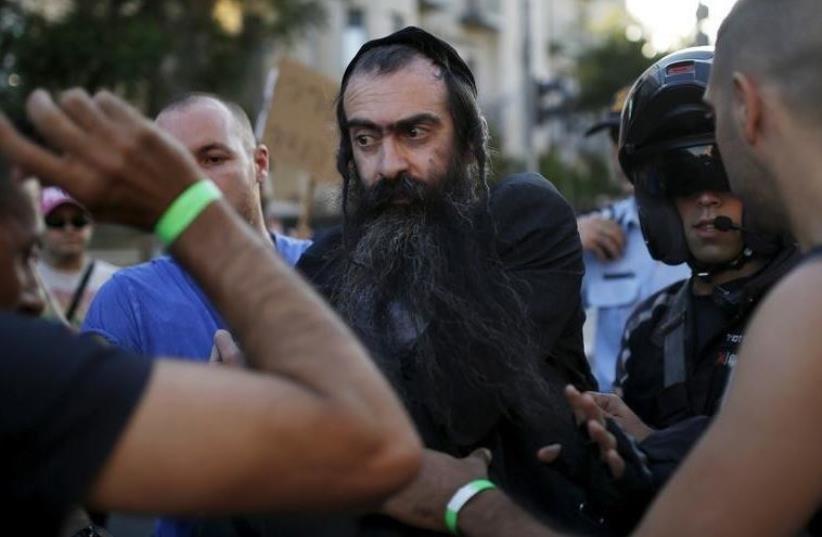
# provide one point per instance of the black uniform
(679, 349)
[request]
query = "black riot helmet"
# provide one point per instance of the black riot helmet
(667, 147)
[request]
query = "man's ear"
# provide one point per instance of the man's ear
(261, 162)
(747, 107)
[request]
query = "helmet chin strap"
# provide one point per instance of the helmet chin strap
(707, 271)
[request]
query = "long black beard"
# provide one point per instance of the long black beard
(421, 282)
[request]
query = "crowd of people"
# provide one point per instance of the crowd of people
(419, 369)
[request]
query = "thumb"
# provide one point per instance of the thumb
(214, 357)
(227, 348)
(482, 456)
(549, 454)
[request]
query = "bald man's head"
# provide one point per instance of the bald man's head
(241, 122)
(779, 44)
(218, 134)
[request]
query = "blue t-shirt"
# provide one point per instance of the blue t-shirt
(156, 309)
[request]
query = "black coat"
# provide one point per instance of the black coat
(534, 233)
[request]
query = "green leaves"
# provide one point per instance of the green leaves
(147, 51)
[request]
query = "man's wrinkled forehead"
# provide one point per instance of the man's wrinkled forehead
(414, 89)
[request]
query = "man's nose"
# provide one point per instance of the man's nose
(708, 198)
(393, 160)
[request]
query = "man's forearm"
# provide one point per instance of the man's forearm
(281, 324)
(493, 514)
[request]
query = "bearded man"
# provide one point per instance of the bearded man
(468, 297)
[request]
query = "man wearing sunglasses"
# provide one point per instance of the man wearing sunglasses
(70, 274)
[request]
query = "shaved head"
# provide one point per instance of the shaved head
(241, 122)
(779, 44)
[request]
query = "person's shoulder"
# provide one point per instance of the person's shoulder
(325, 241)
(528, 201)
(661, 298)
(135, 281)
(148, 271)
(291, 248)
(292, 242)
(105, 268)
(800, 291)
(13, 323)
(526, 187)
(651, 309)
(30, 339)
(318, 263)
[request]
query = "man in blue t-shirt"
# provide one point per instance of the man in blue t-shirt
(156, 308)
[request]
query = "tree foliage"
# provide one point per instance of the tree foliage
(147, 50)
(604, 69)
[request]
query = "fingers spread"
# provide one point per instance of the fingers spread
(575, 400)
(615, 463)
(608, 402)
(117, 110)
(583, 405)
(77, 104)
(599, 434)
(35, 159)
(54, 125)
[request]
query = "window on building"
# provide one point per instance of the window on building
(354, 34)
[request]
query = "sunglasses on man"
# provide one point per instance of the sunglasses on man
(77, 222)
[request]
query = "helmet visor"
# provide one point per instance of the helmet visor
(681, 172)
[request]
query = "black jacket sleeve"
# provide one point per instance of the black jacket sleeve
(538, 242)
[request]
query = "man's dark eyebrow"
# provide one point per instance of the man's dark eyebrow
(424, 118)
(429, 119)
(361, 123)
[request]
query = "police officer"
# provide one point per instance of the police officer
(680, 345)
(619, 272)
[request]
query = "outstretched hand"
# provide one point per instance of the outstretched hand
(615, 408)
(106, 154)
(586, 411)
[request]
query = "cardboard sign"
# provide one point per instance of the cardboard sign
(300, 129)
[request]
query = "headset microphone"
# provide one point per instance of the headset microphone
(759, 242)
(723, 223)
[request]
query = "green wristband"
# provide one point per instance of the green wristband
(182, 211)
(460, 498)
